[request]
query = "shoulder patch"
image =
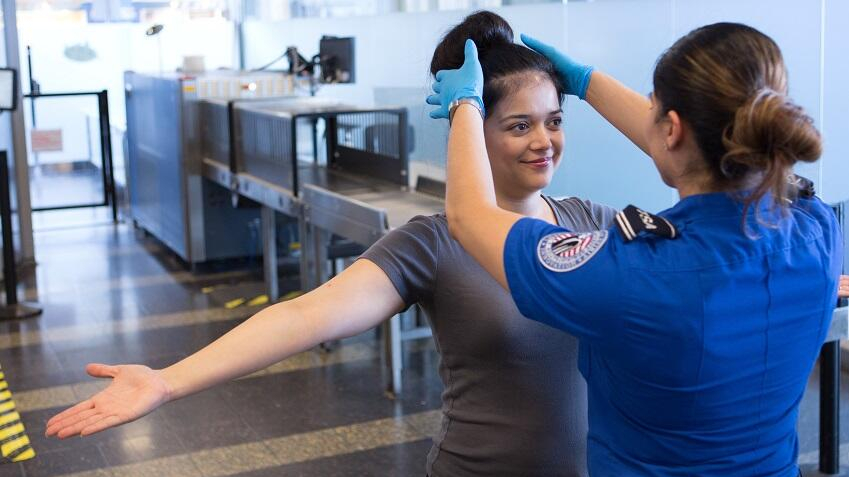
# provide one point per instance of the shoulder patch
(632, 220)
(564, 251)
(800, 187)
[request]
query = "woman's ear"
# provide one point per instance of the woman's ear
(674, 130)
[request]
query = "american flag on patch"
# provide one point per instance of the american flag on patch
(570, 245)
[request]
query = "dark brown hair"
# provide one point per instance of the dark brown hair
(729, 83)
(498, 55)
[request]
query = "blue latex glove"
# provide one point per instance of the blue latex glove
(450, 85)
(575, 76)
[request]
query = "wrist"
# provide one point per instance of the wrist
(169, 381)
(583, 83)
(473, 101)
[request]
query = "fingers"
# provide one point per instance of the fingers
(60, 427)
(76, 428)
(67, 413)
(434, 100)
(441, 74)
(437, 87)
(441, 113)
(534, 44)
(98, 370)
(106, 423)
(843, 287)
(471, 51)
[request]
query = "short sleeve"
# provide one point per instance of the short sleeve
(602, 214)
(408, 256)
(566, 280)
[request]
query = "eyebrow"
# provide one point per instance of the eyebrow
(525, 116)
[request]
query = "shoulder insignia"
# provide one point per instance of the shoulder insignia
(800, 186)
(632, 220)
(564, 251)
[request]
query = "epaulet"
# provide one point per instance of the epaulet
(632, 220)
(801, 187)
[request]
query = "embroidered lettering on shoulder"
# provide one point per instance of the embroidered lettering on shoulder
(564, 251)
(632, 220)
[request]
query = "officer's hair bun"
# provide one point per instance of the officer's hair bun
(486, 29)
(499, 56)
(768, 135)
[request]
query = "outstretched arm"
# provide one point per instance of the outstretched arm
(354, 301)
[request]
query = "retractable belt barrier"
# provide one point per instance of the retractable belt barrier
(12, 310)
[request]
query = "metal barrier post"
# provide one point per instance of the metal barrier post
(106, 152)
(12, 310)
(829, 455)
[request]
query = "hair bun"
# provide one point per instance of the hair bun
(486, 29)
(769, 132)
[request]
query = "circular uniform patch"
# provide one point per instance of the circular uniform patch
(564, 252)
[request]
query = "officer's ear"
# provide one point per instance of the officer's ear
(674, 130)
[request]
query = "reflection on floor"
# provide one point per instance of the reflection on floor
(111, 295)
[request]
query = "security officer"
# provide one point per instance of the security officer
(700, 325)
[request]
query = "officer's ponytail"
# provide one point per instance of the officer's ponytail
(501, 59)
(769, 135)
(729, 83)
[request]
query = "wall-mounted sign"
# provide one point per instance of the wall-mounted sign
(46, 140)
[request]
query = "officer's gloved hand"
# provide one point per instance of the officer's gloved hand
(451, 85)
(575, 76)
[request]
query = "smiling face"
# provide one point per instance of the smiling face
(524, 138)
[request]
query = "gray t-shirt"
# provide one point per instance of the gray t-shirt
(514, 402)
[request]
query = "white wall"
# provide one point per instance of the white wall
(119, 47)
(622, 37)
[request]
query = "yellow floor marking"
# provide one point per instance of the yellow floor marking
(234, 303)
(260, 300)
(14, 443)
(291, 295)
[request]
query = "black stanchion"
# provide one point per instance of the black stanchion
(12, 310)
(829, 454)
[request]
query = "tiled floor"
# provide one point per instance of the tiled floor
(110, 294)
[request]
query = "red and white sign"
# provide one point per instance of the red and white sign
(46, 140)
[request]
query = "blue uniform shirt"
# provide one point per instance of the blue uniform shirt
(696, 350)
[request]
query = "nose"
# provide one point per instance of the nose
(540, 138)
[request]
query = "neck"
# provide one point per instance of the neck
(695, 184)
(532, 205)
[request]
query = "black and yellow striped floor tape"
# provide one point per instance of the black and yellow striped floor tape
(14, 443)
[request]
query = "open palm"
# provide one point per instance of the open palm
(135, 390)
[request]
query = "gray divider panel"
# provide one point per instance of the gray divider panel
(372, 143)
(343, 215)
(215, 131)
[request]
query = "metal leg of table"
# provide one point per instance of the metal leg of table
(307, 265)
(321, 271)
(830, 408)
(269, 253)
(392, 353)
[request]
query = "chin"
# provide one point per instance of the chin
(538, 184)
